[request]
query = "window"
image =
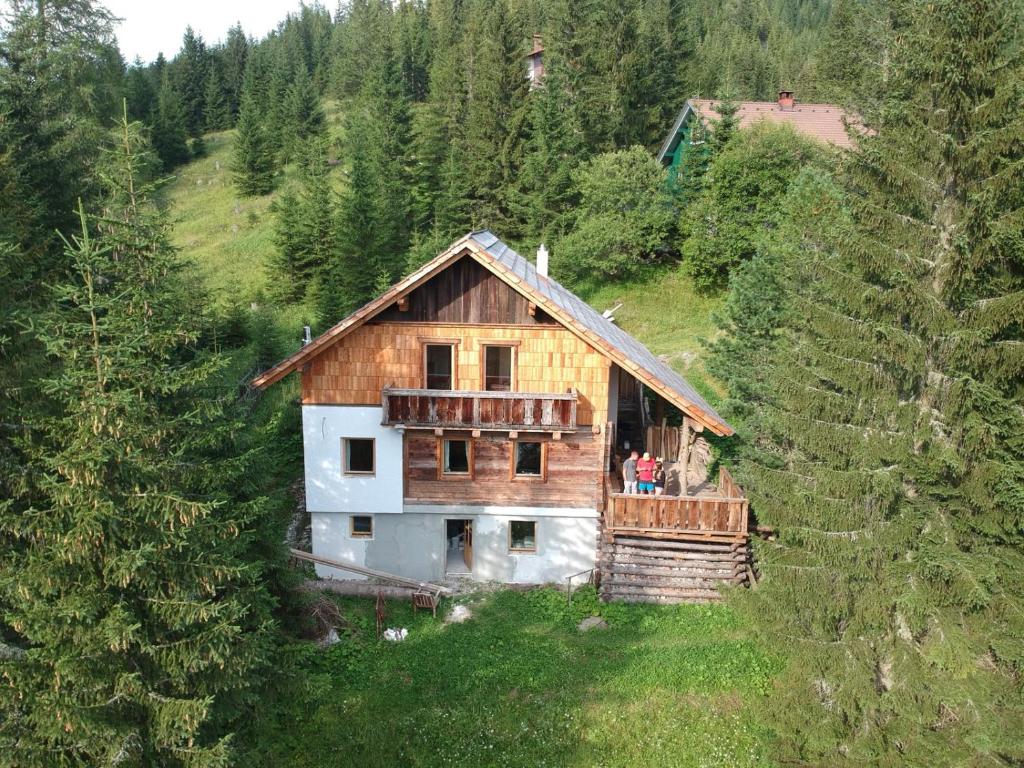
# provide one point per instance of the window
(522, 536)
(357, 455)
(456, 457)
(498, 369)
(361, 526)
(528, 458)
(439, 363)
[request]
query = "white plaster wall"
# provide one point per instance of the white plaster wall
(331, 539)
(327, 489)
(413, 544)
(565, 545)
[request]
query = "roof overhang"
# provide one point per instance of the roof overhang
(671, 140)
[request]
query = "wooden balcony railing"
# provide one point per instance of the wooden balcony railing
(712, 516)
(489, 411)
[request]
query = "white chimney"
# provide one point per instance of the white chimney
(542, 260)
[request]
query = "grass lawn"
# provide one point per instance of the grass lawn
(227, 236)
(668, 315)
(517, 685)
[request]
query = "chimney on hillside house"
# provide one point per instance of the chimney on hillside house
(542, 260)
(535, 63)
(786, 100)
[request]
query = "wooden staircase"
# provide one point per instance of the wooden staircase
(641, 569)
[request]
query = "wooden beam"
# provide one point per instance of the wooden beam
(403, 304)
(298, 554)
(531, 309)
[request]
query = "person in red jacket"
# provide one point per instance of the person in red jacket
(645, 474)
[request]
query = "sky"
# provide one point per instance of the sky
(152, 26)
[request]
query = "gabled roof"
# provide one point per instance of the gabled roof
(556, 300)
(824, 122)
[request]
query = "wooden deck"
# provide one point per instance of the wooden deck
(484, 411)
(716, 514)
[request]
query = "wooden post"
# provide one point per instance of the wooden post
(684, 454)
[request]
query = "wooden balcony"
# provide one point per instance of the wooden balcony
(718, 515)
(485, 411)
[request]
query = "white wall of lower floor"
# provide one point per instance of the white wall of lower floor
(413, 544)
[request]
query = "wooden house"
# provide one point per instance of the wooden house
(468, 421)
(826, 123)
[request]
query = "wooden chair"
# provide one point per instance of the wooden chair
(424, 598)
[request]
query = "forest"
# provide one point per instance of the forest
(857, 315)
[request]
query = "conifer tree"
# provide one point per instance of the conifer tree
(306, 117)
(139, 91)
(254, 161)
(191, 69)
(141, 615)
(235, 56)
(495, 110)
(305, 231)
(216, 110)
(891, 459)
(546, 190)
(170, 137)
(439, 199)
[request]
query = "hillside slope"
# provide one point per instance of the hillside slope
(230, 238)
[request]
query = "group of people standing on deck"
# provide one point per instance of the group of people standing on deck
(644, 475)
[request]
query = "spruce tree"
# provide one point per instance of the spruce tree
(254, 161)
(170, 136)
(545, 192)
(306, 118)
(495, 111)
(235, 56)
(191, 68)
(216, 110)
(305, 228)
(132, 594)
(891, 459)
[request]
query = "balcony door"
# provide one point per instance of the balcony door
(439, 366)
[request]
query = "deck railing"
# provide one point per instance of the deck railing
(488, 411)
(720, 515)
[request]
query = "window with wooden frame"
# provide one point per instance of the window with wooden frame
(454, 457)
(439, 365)
(360, 526)
(499, 366)
(358, 455)
(529, 460)
(522, 536)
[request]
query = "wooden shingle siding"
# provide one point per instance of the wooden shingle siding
(465, 292)
(355, 369)
(573, 473)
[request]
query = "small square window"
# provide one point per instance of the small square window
(529, 458)
(455, 457)
(522, 536)
(357, 455)
(361, 526)
(497, 369)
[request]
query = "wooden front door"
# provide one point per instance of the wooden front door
(468, 551)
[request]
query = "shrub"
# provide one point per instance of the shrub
(625, 224)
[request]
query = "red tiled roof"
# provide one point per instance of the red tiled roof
(824, 122)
